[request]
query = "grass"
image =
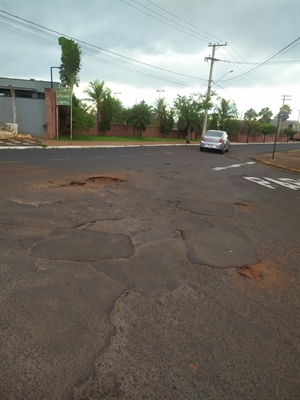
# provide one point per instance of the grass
(86, 138)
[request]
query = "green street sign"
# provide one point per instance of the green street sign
(63, 96)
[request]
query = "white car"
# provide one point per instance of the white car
(215, 140)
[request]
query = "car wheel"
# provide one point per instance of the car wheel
(201, 148)
(228, 148)
(223, 150)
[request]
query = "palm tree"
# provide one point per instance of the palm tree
(250, 121)
(225, 111)
(141, 115)
(97, 92)
(159, 106)
(265, 115)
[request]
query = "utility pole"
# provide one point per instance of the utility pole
(285, 97)
(213, 59)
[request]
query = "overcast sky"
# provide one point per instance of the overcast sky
(173, 36)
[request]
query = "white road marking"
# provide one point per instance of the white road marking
(10, 162)
(233, 166)
(150, 154)
(127, 155)
(289, 183)
(169, 152)
(259, 181)
(285, 184)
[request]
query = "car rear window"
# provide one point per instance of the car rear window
(213, 134)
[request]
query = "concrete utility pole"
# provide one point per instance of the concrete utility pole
(213, 59)
(285, 97)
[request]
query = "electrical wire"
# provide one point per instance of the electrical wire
(98, 47)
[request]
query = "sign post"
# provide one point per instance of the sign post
(283, 115)
(64, 98)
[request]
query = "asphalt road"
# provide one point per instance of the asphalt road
(148, 273)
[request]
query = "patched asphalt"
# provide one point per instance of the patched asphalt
(131, 288)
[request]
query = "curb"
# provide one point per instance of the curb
(270, 164)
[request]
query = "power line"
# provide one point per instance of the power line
(180, 19)
(264, 62)
(180, 30)
(100, 48)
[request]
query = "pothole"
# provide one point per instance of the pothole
(179, 233)
(241, 204)
(75, 183)
(104, 179)
(252, 272)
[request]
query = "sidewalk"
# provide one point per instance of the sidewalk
(286, 159)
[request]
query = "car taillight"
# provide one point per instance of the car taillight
(221, 140)
(202, 137)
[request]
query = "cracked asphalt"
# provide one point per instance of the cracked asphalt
(132, 285)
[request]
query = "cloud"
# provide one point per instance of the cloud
(253, 30)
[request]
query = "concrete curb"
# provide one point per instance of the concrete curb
(270, 164)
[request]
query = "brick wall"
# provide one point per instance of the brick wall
(120, 130)
(50, 110)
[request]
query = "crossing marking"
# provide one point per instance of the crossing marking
(270, 183)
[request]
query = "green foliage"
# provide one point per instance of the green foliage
(141, 116)
(267, 129)
(290, 133)
(250, 121)
(265, 115)
(224, 112)
(166, 122)
(82, 121)
(117, 111)
(97, 92)
(159, 106)
(286, 108)
(106, 114)
(188, 111)
(70, 62)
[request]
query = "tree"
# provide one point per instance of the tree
(97, 91)
(159, 106)
(166, 122)
(188, 110)
(106, 114)
(70, 66)
(286, 108)
(127, 118)
(290, 133)
(226, 110)
(141, 115)
(117, 111)
(250, 121)
(81, 119)
(267, 129)
(265, 115)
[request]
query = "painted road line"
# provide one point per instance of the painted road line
(270, 183)
(127, 155)
(150, 154)
(169, 152)
(10, 162)
(289, 185)
(61, 159)
(233, 166)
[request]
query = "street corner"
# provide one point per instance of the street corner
(220, 248)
